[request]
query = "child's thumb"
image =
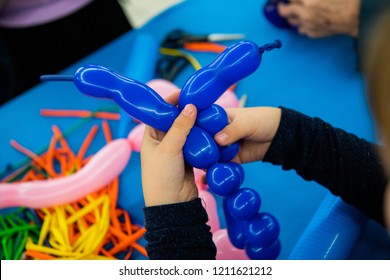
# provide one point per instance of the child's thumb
(176, 136)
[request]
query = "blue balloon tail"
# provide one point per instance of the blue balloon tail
(277, 44)
(57, 78)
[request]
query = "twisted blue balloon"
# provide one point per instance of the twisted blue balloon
(249, 229)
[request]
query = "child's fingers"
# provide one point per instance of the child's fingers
(237, 129)
(254, 124)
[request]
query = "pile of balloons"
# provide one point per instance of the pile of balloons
(256, 232)
(72, 203)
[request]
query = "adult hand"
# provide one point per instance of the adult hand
(166, 178)
(255, 127)
(321, 18)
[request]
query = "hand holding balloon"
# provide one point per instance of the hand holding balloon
(255, 128)
(184, 140)
(165, 177)
(165, 88)
(202, 89)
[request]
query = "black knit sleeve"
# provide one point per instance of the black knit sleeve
(178, 231)
(347, 165)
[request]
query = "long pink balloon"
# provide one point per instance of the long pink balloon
(163, 87)
(135, 137)
(210, 205)
(198, 174)
(104, 166)
(225, 249)
(228, 100)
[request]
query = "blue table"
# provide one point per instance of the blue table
(316, 77)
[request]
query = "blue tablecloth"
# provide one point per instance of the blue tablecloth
(316, 77)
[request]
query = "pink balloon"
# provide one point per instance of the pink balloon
(210, 205)
(225, 249)
(163, 87)
(228, 100)
(135, 137)
(104, 166)
(198, 174)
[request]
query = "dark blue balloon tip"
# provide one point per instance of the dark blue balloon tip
(277, 44)
(46, 78)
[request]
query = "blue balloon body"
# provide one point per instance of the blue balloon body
(207, 84)
(244, 204)
(137, 99)
(256, 232)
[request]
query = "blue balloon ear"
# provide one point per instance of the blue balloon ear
(97, 81)
(134, 97)
(207, 84)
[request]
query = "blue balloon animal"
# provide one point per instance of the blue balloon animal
(256, 232)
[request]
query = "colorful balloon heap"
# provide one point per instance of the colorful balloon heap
(256, 232)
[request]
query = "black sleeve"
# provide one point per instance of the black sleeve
(178, 232)
(347, 165)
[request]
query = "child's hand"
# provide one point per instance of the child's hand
(256, 127)
(166, 178)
